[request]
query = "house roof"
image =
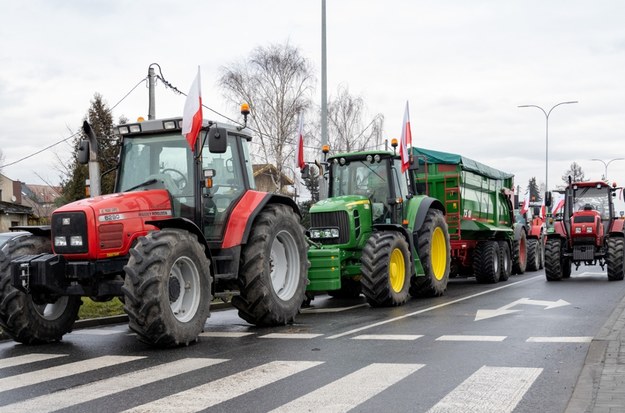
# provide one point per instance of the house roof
(11, 208)
(270, 169)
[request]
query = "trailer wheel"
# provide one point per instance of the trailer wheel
(167, 288)
(533, 254)
(556, 265)
(385, 269)
(519, 254)
(23, 319)
(486, 262)
(434, 253)
(615, 259)
(274, 263)
(505, 261)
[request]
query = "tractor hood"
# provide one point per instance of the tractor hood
(342, 203)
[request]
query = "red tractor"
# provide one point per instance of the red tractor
(183, 228)
(587, 232)
(536, 236)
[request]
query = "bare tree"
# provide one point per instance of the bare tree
(575, 172)
(277, 82)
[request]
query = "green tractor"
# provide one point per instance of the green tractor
(375, 234)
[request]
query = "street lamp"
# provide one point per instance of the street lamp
(606, 164)
(547, 135)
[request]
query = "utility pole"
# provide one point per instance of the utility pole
(323, 191)
(152, 98)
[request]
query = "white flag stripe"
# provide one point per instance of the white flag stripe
(106, 387)
(27, 358)
(471, 338)
(489, 390)
(209, 394)
(406, 337)
(348, 392)
(65, 370)
(559, 339)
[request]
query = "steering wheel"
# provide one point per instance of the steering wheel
(181, 182)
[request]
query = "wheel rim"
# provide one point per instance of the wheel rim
(397, 270)
(438, 254)
(285, 265)
(184, 289)
(52, 311)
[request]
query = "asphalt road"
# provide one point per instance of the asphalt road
(514, 346)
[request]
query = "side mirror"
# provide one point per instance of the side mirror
(548, 199)
(83, 152)
(217, 140)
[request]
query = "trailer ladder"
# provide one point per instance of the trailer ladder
(452, 204)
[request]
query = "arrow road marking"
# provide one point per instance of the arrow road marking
(484, 314)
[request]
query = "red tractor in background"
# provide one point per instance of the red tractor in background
(182, 228)
(536, 236)
(587, 232)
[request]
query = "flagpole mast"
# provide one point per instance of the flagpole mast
(323, 192)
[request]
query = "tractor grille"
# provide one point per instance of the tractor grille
(584, 252)
(68, 225)
(582, 219)
(338, 220)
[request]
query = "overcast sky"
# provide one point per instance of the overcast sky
(464, 66)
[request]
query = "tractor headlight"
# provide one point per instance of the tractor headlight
(578, 230)
(60, 242)
(75, 241)
(588, 230)
(324, 233)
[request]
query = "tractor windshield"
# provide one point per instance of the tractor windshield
(592, 198)
(361, 178)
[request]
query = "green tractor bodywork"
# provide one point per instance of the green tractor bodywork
(374, 235)
(485, 240)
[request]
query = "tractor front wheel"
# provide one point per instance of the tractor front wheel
(434, 253)
(615, 259)
(274, 262)
(385, 269)
(533, 254)
(23, 319)
(167, 288)
(556, 265)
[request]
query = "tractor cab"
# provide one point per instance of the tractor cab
(589, 210)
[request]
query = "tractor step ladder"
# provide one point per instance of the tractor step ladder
(451, 185)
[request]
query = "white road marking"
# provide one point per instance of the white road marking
(489, 390)
(331, 310)
(291, 335)
(225, 334)
(406, 337)
(27, 358)
(348, 392)
(485, 314)
(425, 310)
(99, 332)
(209, 394)
(65, 370)
(470, 338)
(559, 339)
(81, 394)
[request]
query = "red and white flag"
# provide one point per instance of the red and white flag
(558, 204)
(299, 151)
(406, 141)
(192, 114)
(526, 203)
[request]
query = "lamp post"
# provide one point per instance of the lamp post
(606, 164)
(547, 135)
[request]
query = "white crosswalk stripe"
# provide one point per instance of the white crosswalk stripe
(27, 359)
(489, 390)
(106, 387)
(215, 392)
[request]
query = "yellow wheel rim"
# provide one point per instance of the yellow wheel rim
(397, 270)
(438, 254)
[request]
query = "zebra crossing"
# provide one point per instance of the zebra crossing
(488, 389)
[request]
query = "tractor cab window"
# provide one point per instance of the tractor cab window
(228, 186)
(163, 161)
(594, 199)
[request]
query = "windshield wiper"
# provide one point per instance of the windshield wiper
(146, 183)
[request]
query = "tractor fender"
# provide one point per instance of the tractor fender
(518, 228)
(559, 231)
(245, 211)
(397, 228)
(42, 231)
(186, 224)
(617, 227)
(426, 204)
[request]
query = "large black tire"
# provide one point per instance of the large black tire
(505, 261)
(486, 262)
(20, 317)
(616, 259)
(533, 254)
(386, 268)
(350, 288)
(434, 253)
(556, 265)
(541, 257)
(167, 289)
(274, 264)
(519, 254)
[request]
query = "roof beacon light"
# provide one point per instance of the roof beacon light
(394, 142)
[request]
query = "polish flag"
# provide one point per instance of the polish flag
(192, 114)
(526, 203)
(299, 159)
(558, 204)
(406, 140)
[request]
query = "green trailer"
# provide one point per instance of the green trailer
(375, 234)
(485, 240)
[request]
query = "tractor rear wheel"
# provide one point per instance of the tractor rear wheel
(556, 265)
(519, 254)
(23, 319)
(533, 254)
(434, 253)
(167, 288)
(505, 261)
(615, 259)
(385, 269)
(274, 262)
(486, 262)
